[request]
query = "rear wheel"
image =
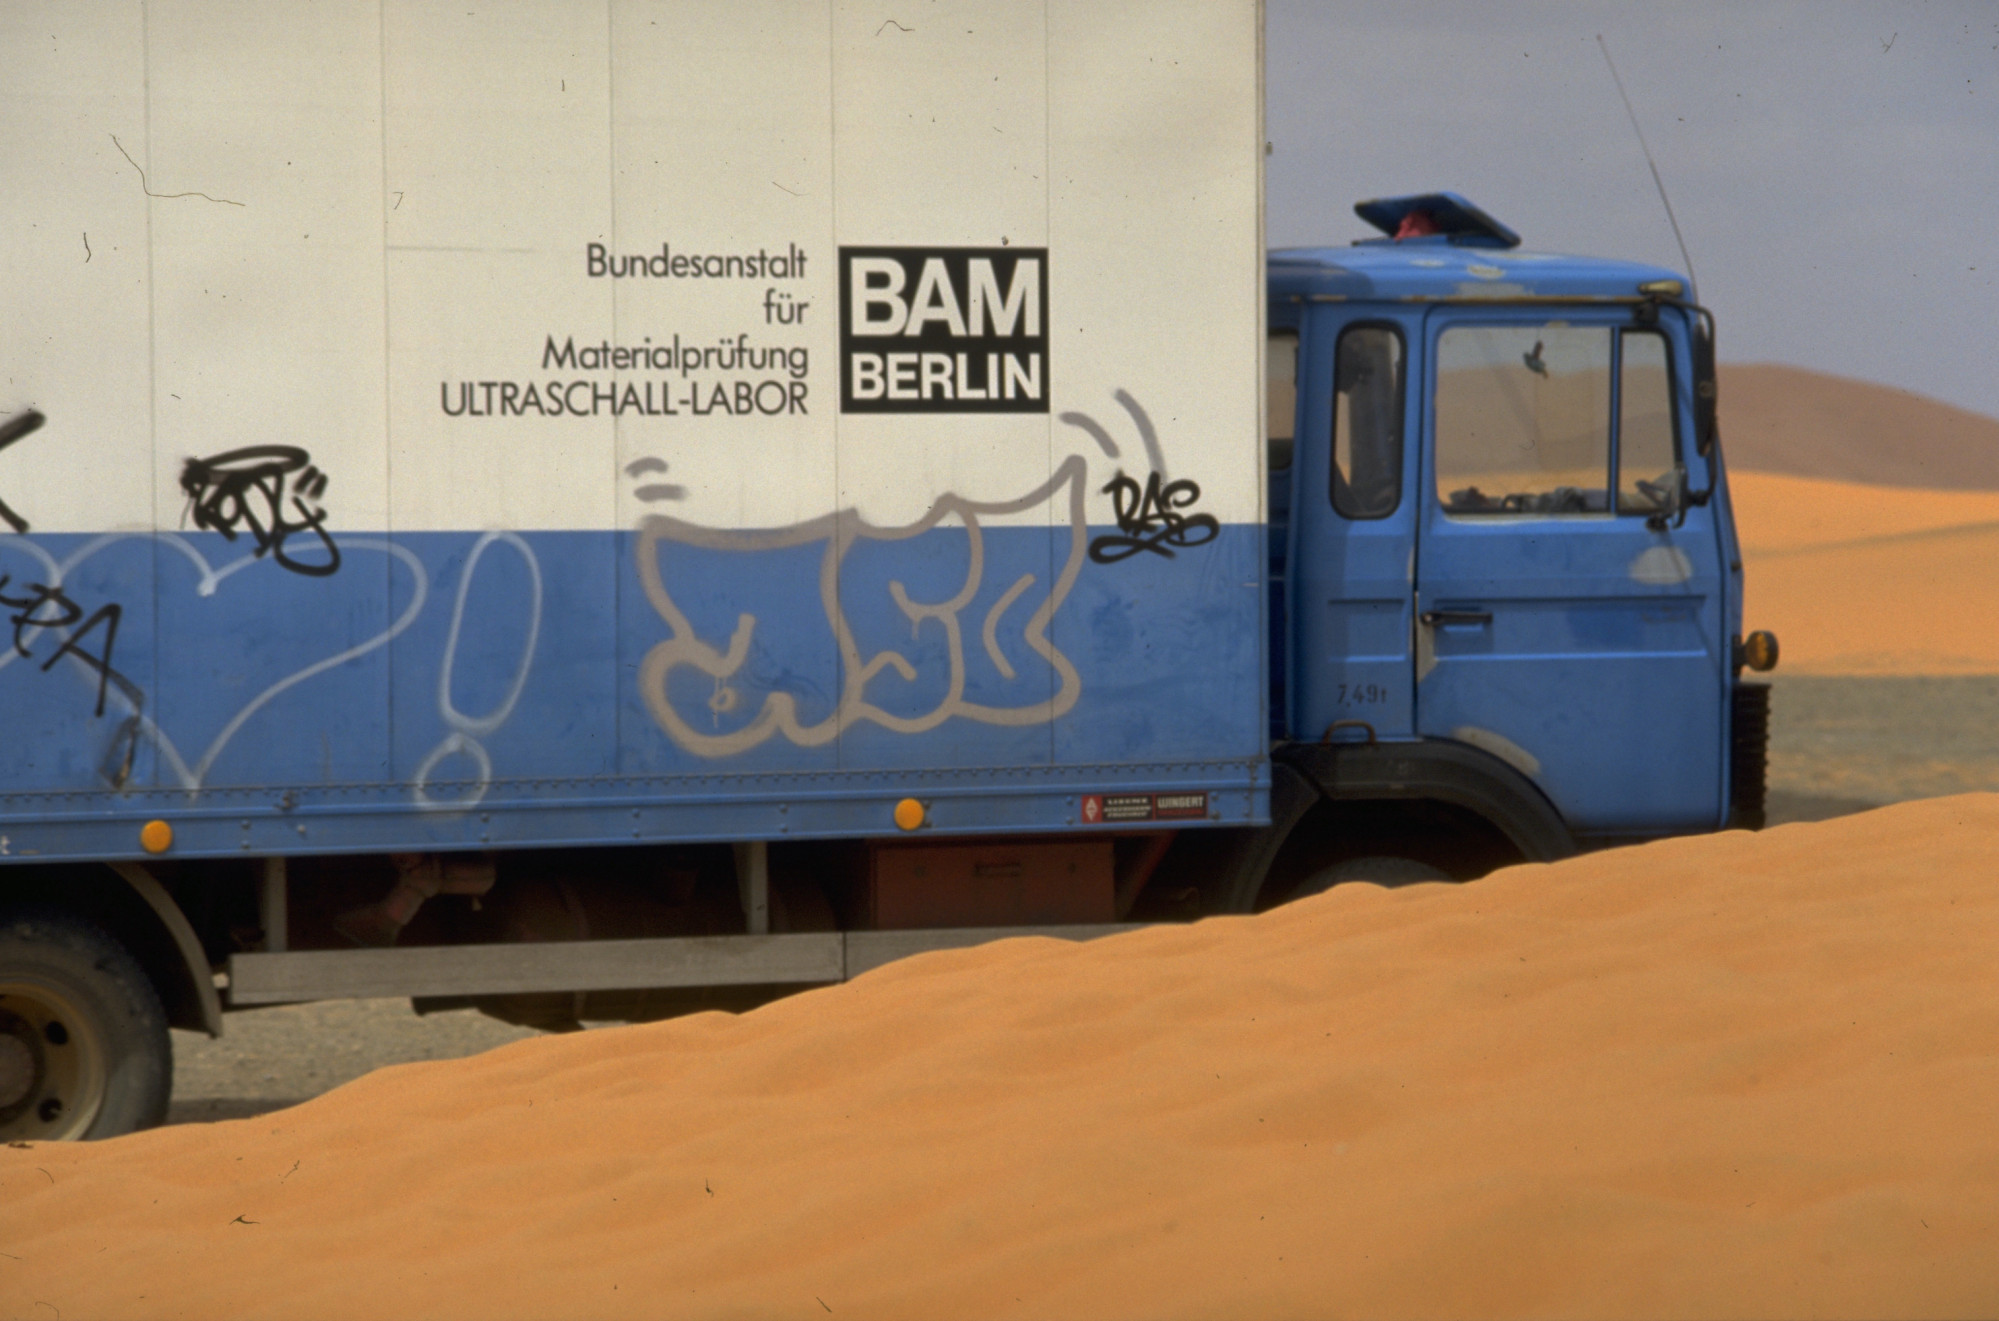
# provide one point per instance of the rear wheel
(84, 1049)
(1390, 843)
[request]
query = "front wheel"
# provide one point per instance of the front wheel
(84, 1049)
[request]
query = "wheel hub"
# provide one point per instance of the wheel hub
(52, 1068)
(23, 1065)
(18, 1069)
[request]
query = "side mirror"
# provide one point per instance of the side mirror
(1672, 510)
(1706, 419)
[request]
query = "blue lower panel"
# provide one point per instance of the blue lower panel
(459, 689)
(1609, 704)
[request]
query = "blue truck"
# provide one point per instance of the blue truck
(504, 563)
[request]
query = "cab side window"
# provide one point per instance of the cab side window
(1367, 422)
(1523, 419)
(1280, 366)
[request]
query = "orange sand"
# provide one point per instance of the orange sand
(1738, 1075)
(1877, 549)
(1871, 579)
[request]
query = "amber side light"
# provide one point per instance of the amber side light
(1759, 651)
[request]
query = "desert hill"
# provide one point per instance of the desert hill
(1808, 424)
(1869, 520)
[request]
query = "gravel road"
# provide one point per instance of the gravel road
(1838, 745)
(267, 1059)
(1845, 745)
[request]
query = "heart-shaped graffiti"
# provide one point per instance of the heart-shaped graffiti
(140, 724)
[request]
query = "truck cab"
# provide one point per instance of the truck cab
(1501, 548)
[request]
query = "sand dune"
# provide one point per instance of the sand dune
(1869, 519)
(1871, 580)
(1739, 1075)
(1808, 424)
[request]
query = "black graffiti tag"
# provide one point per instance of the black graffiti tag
(10, 431)
(1150, 519)
(254, 489)
(45, 607)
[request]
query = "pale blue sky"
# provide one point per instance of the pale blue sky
(1840, 200)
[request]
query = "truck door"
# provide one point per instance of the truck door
(1569, 620)
(1352, 564)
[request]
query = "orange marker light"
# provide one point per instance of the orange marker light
(1759, 651)
(156, 837)
(909, 814)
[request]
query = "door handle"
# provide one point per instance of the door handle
(1445, 618)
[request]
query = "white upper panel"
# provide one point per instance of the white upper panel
(372, 235)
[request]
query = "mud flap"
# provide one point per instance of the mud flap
(1233, 883)
(1749, 756)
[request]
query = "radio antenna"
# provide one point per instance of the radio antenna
(1657, 182)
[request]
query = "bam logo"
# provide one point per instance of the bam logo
(943, 330)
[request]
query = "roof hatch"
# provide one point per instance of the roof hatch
(1437, 218)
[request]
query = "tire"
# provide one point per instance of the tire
(84, 1048)
(1378, 870)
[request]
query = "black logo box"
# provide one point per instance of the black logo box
(939, 370)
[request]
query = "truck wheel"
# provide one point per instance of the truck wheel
(1380, 870)
(84, 1050)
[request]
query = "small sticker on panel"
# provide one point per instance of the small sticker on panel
(1180, 807)
(1110, 809)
